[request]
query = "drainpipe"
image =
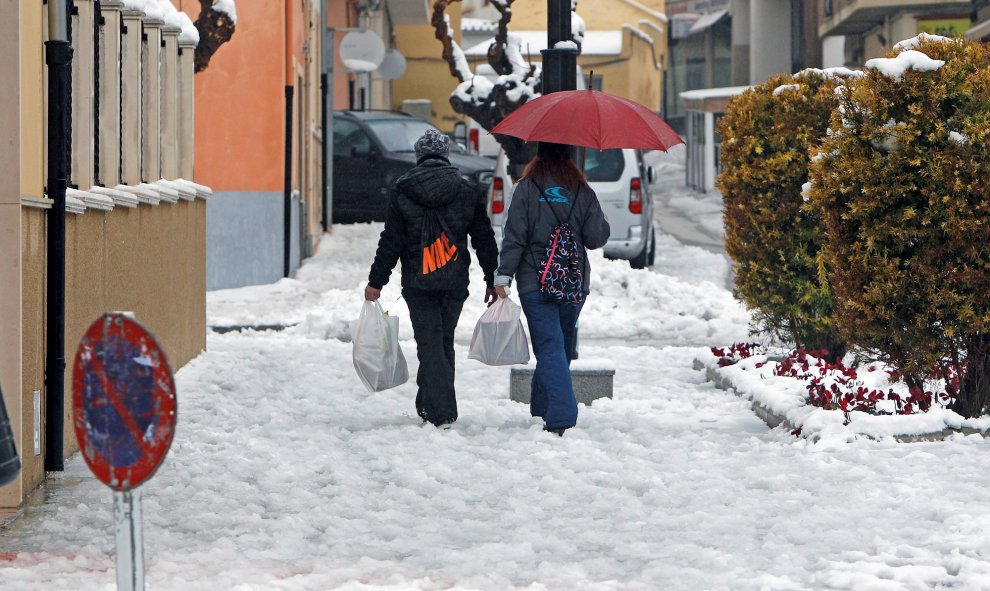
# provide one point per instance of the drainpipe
(287, 210)
(324, 152)
(287, 198)
(58, 57)
(325, 116)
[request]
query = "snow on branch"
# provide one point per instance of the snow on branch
(911, 59)
(216, 27)
(511, 81)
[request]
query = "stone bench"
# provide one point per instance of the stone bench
(592, 380)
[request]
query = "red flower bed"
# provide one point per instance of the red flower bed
(833, 386)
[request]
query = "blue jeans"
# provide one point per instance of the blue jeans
(552, 329)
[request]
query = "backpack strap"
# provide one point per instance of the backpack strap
(570, 213)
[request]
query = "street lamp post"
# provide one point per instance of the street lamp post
(559, 63)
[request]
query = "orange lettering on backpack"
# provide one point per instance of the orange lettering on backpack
(438, 254)
(451, 249)
(429, 265)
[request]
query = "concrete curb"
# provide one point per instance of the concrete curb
(223, 329)
(772, 419)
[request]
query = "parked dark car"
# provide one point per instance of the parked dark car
(373, 148)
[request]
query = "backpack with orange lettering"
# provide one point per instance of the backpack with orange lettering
(442, 260)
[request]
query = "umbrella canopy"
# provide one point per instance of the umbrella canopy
(589, 118)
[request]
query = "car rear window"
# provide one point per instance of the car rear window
(400, 135)
(604, 166)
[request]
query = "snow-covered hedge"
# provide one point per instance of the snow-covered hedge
(773, 238)
(901, 184)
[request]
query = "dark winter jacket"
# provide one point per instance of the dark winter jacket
(433, 184)
(530, 222)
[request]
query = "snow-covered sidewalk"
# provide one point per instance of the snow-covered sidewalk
(287, 475)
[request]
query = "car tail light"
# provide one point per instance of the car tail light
(635, 196)
(473, 140)
(498, 195)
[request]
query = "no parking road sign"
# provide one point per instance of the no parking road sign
(124, 401)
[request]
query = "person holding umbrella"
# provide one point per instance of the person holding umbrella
(553, 219)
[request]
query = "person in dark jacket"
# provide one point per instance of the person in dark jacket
(433, 194)
(553, 189)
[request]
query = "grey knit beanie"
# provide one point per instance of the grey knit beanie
(433, 143)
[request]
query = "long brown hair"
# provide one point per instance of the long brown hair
(563, 171)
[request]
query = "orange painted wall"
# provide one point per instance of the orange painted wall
(240, 97)
(339, 17)
(240, 102)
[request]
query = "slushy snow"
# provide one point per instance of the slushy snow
(285, 474)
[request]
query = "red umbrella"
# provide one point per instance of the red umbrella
(589, 118)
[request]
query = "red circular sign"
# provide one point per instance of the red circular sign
(124, 402)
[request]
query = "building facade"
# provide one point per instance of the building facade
(260, 129)
(135, 223)
(626, 47)
(872, 27)
(727, 43)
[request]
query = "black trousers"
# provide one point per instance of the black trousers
(434, 316)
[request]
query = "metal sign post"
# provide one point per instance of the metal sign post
(124, 411)
(127, 522)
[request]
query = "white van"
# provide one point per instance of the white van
(622, 182)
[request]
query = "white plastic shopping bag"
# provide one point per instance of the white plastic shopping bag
(499, 338)
(378, 358)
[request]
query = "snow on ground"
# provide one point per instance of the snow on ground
(285, 474)
(680, 302)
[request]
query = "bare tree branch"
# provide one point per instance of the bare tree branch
(215, 28)
(442, 32)
(485, 101)
(496, 51)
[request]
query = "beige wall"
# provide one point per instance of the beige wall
(597, 15)
(634, 74)
(32, 106)
(34, 245)
(10, 229)
(149, 260)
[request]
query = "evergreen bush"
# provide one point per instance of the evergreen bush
(774, 240)
(901, 184)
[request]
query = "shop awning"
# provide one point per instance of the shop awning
(707, 21)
